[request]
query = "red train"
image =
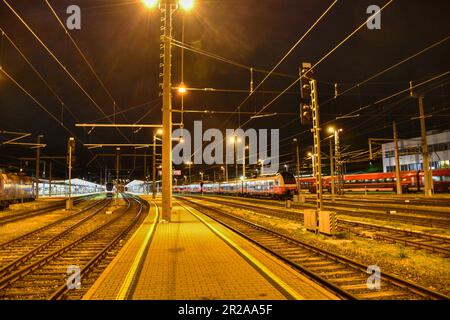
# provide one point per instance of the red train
(14, 188)
(281, 186)
(412, 181)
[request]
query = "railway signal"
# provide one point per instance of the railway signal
(305, 89)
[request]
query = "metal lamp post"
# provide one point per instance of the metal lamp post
(167, 7)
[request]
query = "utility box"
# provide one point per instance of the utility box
(327, 222)
(288, 204)
(310, 219)
(69, 204)
(298, 198)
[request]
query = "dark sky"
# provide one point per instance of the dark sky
(121, 40)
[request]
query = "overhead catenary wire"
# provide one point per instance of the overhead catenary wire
(277, 65)
(217, 57)
(64, 68)
(359, 84)
(38, 74)
(417, 85)
(321, 60)
(91, 68)
(286, 55)
(128, 109)
(22, 88)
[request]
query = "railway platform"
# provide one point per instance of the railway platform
(195, 258)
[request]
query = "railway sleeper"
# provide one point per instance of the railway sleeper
(313, 265)
(348, 280)
(378, 294)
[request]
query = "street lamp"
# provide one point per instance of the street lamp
(189, 163)
(167, 7)
(310, 155)
(235, 140)
(187, 4)
(182, 89)
(335, 161)
(261, 162)
(333, 131)
(223, 172)
(158, 133)
(150, 3)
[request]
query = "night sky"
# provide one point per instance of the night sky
(121, 40)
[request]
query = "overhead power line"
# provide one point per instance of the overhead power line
(91, 68)
(39, 75)
(61, 65)
(359, 84)
(320, 60)
(287, 54)
(217, 57)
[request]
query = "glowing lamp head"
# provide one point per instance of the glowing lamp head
(182, 89)
(159, 132)
(330, 129)
(150, 3)
(187, 4)
(309, 154)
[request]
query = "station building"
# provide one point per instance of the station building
(410, 152)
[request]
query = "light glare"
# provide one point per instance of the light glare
(182, 89)
(150, 3)
(187, 4)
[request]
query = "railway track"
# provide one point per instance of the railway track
(431, 243)
(396, 200)
(345, 277)
(433, 212)
(13, 217)
(437, 208)
(371, 213)
(88, 244)
(18, 251)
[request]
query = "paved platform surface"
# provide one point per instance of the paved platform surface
(195, 258)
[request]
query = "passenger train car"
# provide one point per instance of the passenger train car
(411, 181)
(14, 188)
(281, 186)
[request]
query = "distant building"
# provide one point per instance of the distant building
(410, 151)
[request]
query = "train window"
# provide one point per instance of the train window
(381, 180)
(288, 178)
